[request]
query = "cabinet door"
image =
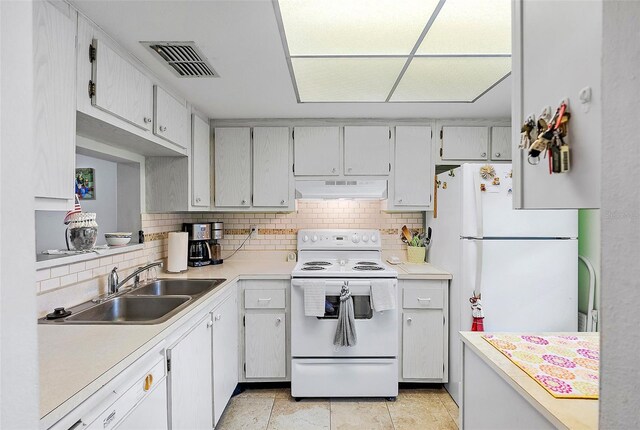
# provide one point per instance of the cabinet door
(225, 353)
(55, 104)
(413, 166)
(265, 346)
(200, 163)
(366, 150)
(422, 344)
(121, 89)
(190, 379)
(465, 143)
(501, 143)
(150, 414)
(171, 118)
(271, 166)
(316, 151)
(232, 154)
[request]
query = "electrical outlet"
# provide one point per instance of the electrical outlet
(254, 231)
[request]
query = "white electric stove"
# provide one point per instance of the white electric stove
(319, 368)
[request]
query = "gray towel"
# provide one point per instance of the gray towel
(346, 330)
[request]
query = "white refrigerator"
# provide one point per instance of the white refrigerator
(523, 263)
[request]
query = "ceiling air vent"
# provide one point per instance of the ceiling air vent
(184, 59)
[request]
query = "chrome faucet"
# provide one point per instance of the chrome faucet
(114, 285)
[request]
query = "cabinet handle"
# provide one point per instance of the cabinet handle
(282, 202)
(399, 200)
(218, 317)
(198, 199)
(333, 170)
(147, 120)
(163, 128)
(409, 320)
(278, 321)
(209, 323)
(349, 169)
(244, 202)
(427, 299)
(484, 154)
(265, 300)
(497, 154)
(148, 382)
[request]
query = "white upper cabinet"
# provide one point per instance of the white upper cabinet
(55, 103)
(171, 118)
(232, 167)
(413, 171)
(465, 143)
(501, 143)
(317, 151)
(271, 167)
(200, 163)
(367, 150)
(120, 88)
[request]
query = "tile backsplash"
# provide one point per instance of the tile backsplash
(75, 283)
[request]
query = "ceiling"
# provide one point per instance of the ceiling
(241, 40)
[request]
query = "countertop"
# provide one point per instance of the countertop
(76, 360)
(563, 413)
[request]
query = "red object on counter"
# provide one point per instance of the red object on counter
(478, 324)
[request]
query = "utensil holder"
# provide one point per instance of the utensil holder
(416, 254)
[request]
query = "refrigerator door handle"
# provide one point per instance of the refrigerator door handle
(478, 198)
(477, 290)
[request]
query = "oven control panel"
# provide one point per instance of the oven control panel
(337, 239)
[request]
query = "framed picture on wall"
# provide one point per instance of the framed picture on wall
(85, 183)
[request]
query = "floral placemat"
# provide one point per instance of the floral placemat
(566, 366)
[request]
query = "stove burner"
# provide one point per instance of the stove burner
(313, 268)
(369, 267)
(366, 263)
(317, 263)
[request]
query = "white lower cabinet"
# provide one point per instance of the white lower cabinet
(266, 349)
(424, 331)
(190, 378)
(225, 352)
(146, 415)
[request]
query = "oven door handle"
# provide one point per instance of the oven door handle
(331, 283)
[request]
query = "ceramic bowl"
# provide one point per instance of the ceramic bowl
(117, 239)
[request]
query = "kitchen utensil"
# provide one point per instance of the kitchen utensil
(406, 233)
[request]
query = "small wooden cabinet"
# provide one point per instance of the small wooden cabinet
(316, 151)
(465, 143)
(190, 378)
(200, 162)
(424, 326)
(170, 118)
(232, 167)
(367, 150)
(413, 169)
(119, 88)
(225, 352)
(55, 102)
(271, 167)
(266, 349)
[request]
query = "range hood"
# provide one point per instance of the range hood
(342, 189)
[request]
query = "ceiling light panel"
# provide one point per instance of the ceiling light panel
(470, 27)
(354, 27)
(450, 79)
(345, 79)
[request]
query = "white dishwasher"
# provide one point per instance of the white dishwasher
(134, 400)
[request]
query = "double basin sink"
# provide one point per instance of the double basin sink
(153, 303)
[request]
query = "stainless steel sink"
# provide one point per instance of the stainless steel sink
(175, 287)
(131, 310)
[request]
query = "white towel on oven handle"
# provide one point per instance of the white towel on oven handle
(383, 295)
(314, 298)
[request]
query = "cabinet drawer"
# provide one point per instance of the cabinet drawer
(423, 298)
(264, 299)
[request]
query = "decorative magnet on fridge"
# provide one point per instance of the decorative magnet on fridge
(487, 172)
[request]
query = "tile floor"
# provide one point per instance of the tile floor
(275, 409)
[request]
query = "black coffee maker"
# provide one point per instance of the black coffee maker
(199, 237)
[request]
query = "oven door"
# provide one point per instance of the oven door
(377, 332)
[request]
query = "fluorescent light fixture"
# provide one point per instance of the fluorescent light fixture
(395, 50)
(470, 27)
(354, 27)
(346, 79)
(450, 79)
